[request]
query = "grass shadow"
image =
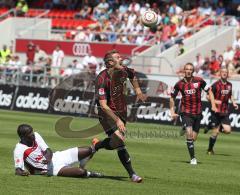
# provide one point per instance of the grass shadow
(221, 154)
(183, 161)
(118, 178)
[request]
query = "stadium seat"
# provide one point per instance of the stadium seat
(3, 10)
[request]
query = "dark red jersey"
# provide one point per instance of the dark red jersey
(111, 88)
(223, 92)
(191, 94)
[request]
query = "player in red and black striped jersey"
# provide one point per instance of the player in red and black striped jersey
(190, 88)
(222, 92)
(112, 108)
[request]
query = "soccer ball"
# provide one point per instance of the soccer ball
(149, 18)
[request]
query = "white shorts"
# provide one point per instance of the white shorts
(62, 159)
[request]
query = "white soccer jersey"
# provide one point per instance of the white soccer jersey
(32, 155)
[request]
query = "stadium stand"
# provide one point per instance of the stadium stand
(119, 23)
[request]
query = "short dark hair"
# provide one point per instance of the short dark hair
(189, 63)
(108, 57)
(24, 129)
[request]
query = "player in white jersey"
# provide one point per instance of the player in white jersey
(34, 154)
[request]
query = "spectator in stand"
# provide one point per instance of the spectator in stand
(221, 61)
(220, 10)
(136, 27)
(214, 66)
(144, 8)
(59, 4)
(15, 63)
(205, 9)
(90, 59)
(181, 29)
(236, 42)
(21, 8)
(124, 26)
(57, 63)
(229, 54)
(131, 18)
(40, 55)
(30, 53)
(237, 66)
(85, 12)
(175, 9)
(213, 53)
(198, 63)
(100, 12)
(237, 53)
(204, 69)
(166, 33)
(4, 53)
(134, 6)
(181, 49)
(123, 8)
(231, 68)
(81, 36)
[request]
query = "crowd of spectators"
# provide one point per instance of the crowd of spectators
(209, 66)
(118, 21)
(44, 68)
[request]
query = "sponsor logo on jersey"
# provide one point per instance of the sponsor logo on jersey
(190, 91)
(195, 85)
(225, 92)
(101, 91)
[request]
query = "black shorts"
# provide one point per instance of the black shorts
(217, 119)
(193, 121)
(108, 124)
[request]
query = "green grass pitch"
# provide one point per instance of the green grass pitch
(160, 159)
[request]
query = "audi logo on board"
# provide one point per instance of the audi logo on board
(81, 49)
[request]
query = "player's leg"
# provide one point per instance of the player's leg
(213, 139)
(216, 125)
(188, 124)
(117, 141)
(226, 124)
(85, 154)
(77, 172)
(210, 124)
(72, 172)
(109, 127)
(62, 162)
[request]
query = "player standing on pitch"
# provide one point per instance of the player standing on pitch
(112, 108)
(190, 88)
(222, 92)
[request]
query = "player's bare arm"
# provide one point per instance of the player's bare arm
(48, 155)
(137, 89)
(212, 100)
(20, 172)
(234, 103)
(109, 112)
(172, 106)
